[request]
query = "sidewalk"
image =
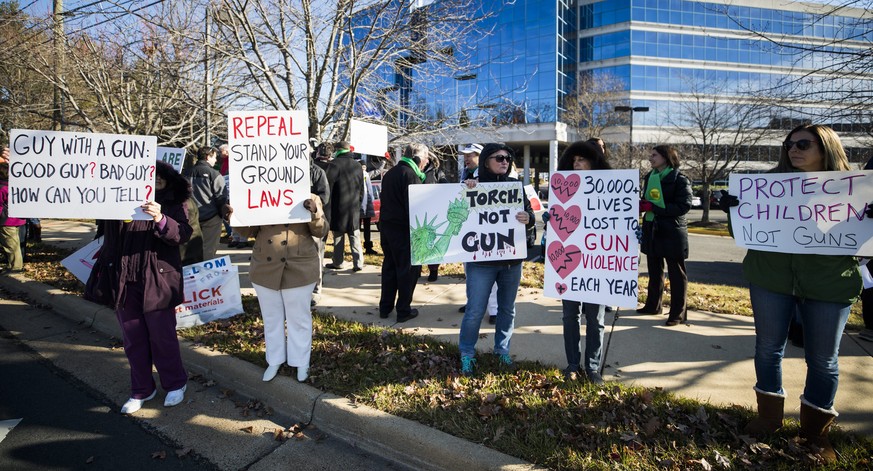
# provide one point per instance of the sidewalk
(709, 359)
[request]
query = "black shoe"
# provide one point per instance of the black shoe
(433, 276)
(594, 378)
(357, 269)
(648, 310)
(462, 308)
(412, 315)
(676, 320)
(492, 320)
(232, 244)
(334, 267)
(384, 315)
(371, 252)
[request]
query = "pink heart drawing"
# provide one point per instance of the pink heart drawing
(564, 259)
(565, 188)
(561, 288)
(564, 221)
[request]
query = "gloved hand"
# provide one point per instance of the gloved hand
(646, 205)
(870, 210)
(639, 234)
(728, 201)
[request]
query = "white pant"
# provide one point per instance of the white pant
(287, 307)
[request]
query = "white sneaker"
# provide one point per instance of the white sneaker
(174, 398)
(132, 405)
(302, 373)
(271, 372)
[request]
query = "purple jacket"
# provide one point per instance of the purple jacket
(145, 253)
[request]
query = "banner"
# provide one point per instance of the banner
(367, 138)
(55, 174)
(451, 223)
(269, 167)
(803, 213)
(212, 289)
(212, 292)
(172, 155)
(592, 253)
(81, 262)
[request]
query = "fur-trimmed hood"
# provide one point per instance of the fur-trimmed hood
(178, 189)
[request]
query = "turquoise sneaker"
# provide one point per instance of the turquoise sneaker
(468, 364)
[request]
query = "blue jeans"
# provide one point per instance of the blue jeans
(823, 324)
(480, 279)
(594, 314)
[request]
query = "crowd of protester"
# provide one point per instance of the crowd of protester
(190, 209)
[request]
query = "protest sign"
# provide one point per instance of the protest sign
(212, 292)
(269, 167)
(803, 213)
(592, 253)
(367, 138)
(452, 223)
(55, 174)
(172, 155)
(81, 262)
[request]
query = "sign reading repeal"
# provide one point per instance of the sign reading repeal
(452, 223)
(55, 174)
(803, 212)
(269, 167)
(592, 253)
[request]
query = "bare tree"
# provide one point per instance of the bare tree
(718, 131)
(341, 59)
(829, 79)
(591, 105)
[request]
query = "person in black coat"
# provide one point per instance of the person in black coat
(666, 200)
(399, 276)
(347, 191)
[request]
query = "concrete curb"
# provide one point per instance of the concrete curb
(404, 441)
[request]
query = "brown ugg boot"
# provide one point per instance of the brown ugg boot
(814, 425)
(771, 407)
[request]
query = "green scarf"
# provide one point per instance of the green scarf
(654, 192)
(340, 152)
(414, 166)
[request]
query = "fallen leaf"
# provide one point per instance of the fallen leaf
(722, 461)
(652, 426)
(705, 464)
(278, 434)
(159, 455)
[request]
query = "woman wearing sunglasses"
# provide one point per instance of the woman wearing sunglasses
(494, 166)
(666, 200)
(821, 288)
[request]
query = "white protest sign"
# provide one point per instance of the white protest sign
(367, 138)
(803, 213)
(269, 167)
(55, 174)
(212, 292)
(452, 223)
(174, 156)
(592, 254)
(81, 262)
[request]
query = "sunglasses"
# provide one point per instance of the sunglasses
(501, 158)
(802, 144)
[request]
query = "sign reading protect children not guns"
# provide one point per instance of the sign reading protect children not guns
(804, 212)
(56, 174)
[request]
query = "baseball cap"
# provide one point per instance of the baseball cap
(472, 148)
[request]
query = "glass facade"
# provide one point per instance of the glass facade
(526, 56)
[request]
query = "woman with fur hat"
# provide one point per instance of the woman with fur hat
(139, 274)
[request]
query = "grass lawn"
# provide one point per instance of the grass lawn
(532, 413)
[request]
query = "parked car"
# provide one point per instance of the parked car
(377, 203)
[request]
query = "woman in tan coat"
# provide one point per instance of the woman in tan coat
(284, 270)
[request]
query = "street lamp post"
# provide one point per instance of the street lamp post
(631, 110)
